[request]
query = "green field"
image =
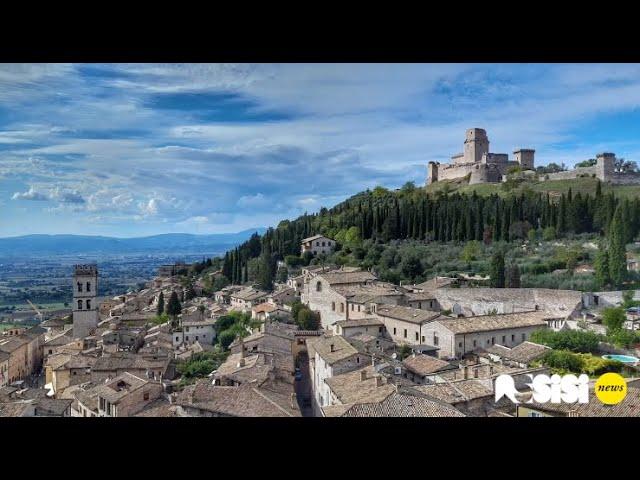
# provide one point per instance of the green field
(41, 306)
(586, 185)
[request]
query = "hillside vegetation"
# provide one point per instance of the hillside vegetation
(418, 221)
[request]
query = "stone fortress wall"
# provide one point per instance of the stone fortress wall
(478, 165)
(604, 169)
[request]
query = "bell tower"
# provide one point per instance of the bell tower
(476, 144)
(85, 305)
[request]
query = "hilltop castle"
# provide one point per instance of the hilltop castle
(479, 166)
(476, 161)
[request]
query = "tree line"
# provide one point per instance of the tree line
(412, 213)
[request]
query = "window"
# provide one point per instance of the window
(513, 338)
(197, 337)
(475, 373)
(422, 338)
(79, 286)
(333, 306)
(88, 286)
(146, 396)
(394, 330)
(187, 338)
(534, 414)
(475, 343)
(79, 304)
(88, 304)
(488, 341)
(379, 329)
(358, 307)
(357, 359)
(319, 287)
(353, 307)
(317, 244)
(187, 329)
(435, 338)
(342, 308)
(459, 344)
(504, 339)
(405, 333)
(177, 339)
(524, 337)
(417, 336)
(50, 352)
(493, 340)
(323, 244)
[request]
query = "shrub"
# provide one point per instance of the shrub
(571, 340)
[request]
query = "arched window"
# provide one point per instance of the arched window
(319, 286)
(79, 286)
(88, 304)
(88, 286)
(79, 304)
(333, 306)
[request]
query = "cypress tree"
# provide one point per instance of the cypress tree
(496, 270)
(160, 308)
(513, 276)
(617, 249)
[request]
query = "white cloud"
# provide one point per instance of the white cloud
(31, 194)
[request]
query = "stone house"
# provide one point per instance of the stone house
(195, 331)
(330, 356)
(4, 369)
(458, 336)
(126, 395)
(424, 369)
(369, 325)
(247, 298)
(405, 325)
(358, 386)
(472, 397)
(317, 244)
(26, 353)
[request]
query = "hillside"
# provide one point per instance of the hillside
(585, 185)
(481, 213)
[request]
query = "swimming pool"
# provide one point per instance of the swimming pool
(622, 358)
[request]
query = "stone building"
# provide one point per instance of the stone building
(458, 336)
(604, 169)
(478, 163)
(85, 303)
(317, 244)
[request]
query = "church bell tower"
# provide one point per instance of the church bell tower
(85, 304)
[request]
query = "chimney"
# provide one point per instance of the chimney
(363, 375)
(466, 372)
(379, 381)
(332, 347)
(241, 348)
(241, 362)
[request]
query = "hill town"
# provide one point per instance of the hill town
(393, 303)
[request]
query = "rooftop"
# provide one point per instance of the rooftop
(249, 294)
(360, 322)
(360, 386)
(403, 404)
(337, 278)
(331, 349)
(406, 314)
(485, 323)
(315, 237)
(423, 365)
(456, 391)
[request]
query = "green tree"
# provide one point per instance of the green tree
(160, 307)
(411, 266)
(613, 318)
(512, 279)
(549, 234)
(174, 307)
(308, 320)
(601, 267)
(470, 251)
(282, 275)
(226, 338)
(617, 249)
(496, 271)
(532, 235)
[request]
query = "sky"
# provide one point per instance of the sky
(140, 149)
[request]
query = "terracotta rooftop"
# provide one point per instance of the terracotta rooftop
(485, 323)
(360, 386)
(407, 314)
(423, 365)
(341, 349)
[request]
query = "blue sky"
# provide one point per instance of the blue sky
(128, 150)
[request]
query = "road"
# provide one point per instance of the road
(303, 386)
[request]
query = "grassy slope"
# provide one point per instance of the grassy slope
(583, 185)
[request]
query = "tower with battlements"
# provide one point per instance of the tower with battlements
(85, 303)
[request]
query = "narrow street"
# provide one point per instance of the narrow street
(303, 386)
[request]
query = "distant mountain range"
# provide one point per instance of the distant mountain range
(88, 244)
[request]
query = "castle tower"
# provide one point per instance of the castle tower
(605, 166)
(432, 172)
(524, 157)
(85, 304)
(476, 144)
